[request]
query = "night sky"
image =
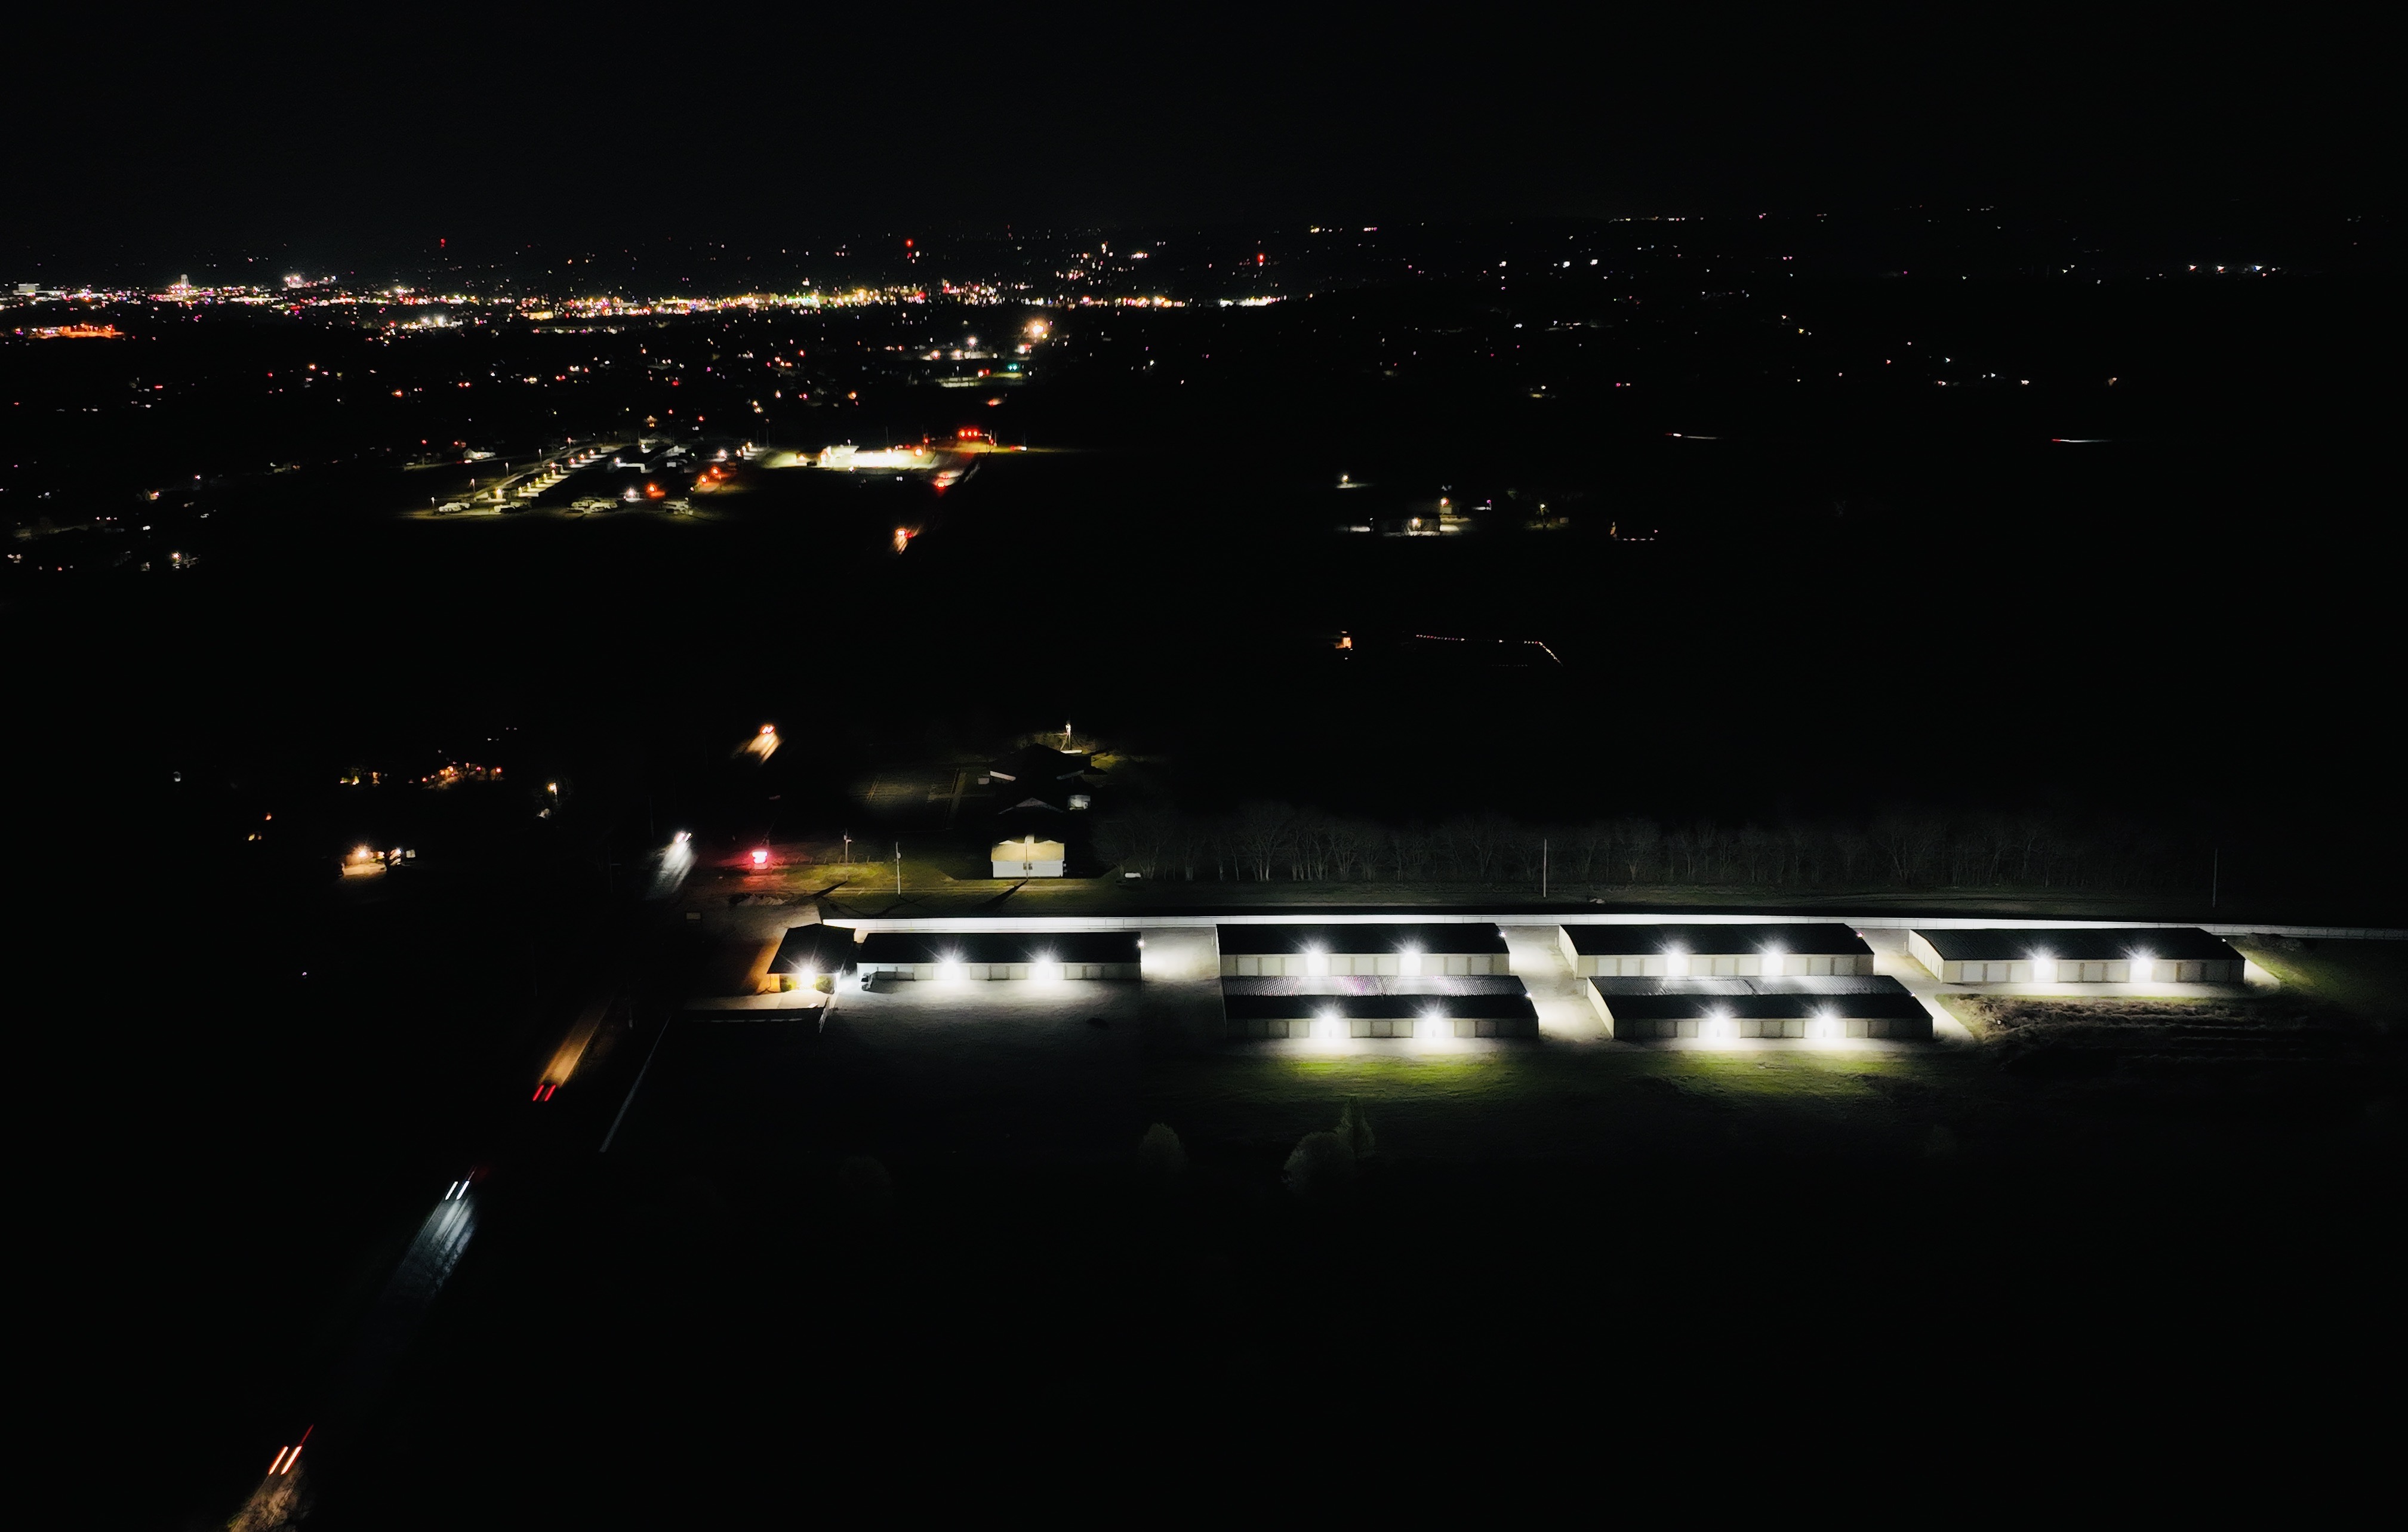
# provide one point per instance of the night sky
(375, 132)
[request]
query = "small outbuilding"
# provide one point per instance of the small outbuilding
(2077, 955)
(1772, 949)
(933, 955)
(1028, 857)
(1730, 1010)
(1369, 948)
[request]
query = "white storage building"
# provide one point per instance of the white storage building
(932, 955)
(2080, 955)
(1809, 1009)
(1325, 951)
(1028, 858)
(1733, 950)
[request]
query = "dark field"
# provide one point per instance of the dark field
(1859, 598)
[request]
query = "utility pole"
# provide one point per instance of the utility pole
(1066, 736)
(898, 870)
(848, 848)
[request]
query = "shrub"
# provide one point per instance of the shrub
(1321, 1167)
(1160, 1155)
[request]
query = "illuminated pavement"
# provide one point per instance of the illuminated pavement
(1564, 1012)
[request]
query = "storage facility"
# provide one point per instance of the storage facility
(1370, 949)
(810, 951)
(1805, 1009)
(2082, 956)
(1427, 1017)
(1733, 950)
(1028, 857)
(1001, 954)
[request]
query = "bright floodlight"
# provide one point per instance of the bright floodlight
(2043, 968)
(1676, 963)
(949, 969)
(1434, 1026)
(681, 837)
(760, 857)
(1409, 962)
(1827, 1026)
(1316, 962)
(1772, 957)
(2143, 969)
(1331, 1026)
(1043, 967)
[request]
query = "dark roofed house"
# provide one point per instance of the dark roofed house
(1726, 950)
(1002, 954)
(2077, 955)
(1370, 948)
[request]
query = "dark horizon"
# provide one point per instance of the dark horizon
(383, 136)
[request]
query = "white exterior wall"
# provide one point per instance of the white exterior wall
(1720, 966)
(927, 971)
(2091, 971)
(1029, 870)
(1785, 1026)
(1365, 965)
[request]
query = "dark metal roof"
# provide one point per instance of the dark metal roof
(1836, 984)
(819, 948)
(1717, 940)
(1000, 947)
(1370, 936)
(1995, 944)
(1503, 984)
(1637, 1007)
(1246, 1007)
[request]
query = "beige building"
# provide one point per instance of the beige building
(2082, 956)
(1733, 950)
(1028, 858)
(1369, 948)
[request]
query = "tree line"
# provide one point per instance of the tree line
(1278, 843)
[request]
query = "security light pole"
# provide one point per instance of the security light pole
(898, 870)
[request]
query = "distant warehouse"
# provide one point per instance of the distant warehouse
(2084, 955)
(1732, 951)
(1321, 951)
(933, 955)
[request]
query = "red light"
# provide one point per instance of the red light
(538, 1093)
(760, 859)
